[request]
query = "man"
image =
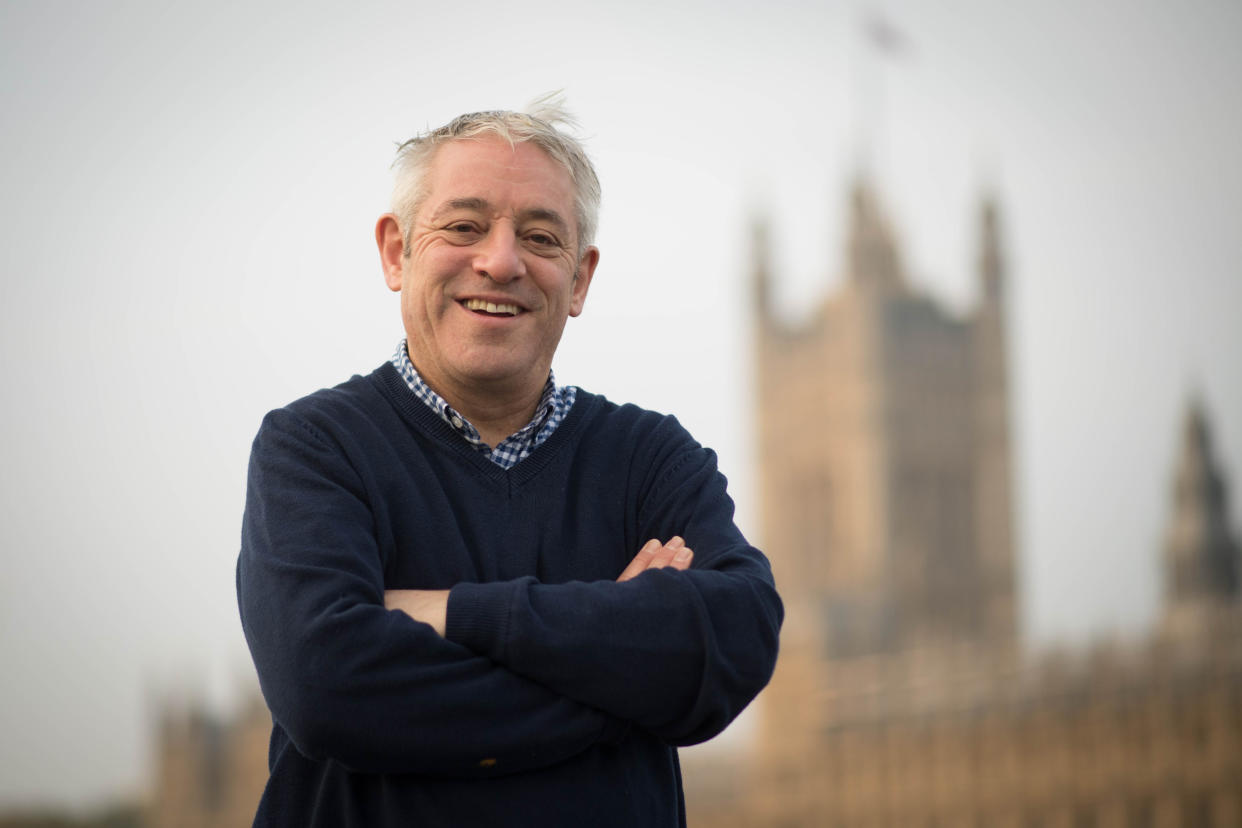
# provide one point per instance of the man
(470, 593)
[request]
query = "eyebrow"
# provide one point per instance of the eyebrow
(544, 214)
(463, 204)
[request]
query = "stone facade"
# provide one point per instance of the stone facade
(1125, 735)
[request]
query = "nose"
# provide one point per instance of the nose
(498, 256)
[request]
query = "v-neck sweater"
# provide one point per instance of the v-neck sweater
(557, 696)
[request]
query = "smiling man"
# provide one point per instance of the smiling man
(470, 592)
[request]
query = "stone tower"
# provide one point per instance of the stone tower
(1201, 556)
(899, 698)
(884, 438)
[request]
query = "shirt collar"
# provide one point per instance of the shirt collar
(554, 404)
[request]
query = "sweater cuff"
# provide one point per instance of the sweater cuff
(478, 615)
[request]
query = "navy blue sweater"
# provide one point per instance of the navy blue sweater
(557, 695)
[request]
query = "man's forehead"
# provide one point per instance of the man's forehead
(489, 174)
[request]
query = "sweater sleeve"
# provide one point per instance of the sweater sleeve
(351, 681)
(677, 653)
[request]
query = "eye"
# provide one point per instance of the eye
(461, 232)
(540, 239)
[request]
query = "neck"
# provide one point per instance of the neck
(495, 416)
(495, 409)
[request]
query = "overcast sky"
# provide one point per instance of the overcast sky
(189, 194)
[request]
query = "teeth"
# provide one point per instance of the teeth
(491, 307)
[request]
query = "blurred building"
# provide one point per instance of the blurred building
(209, 770)
(885, 454)
(902, 696)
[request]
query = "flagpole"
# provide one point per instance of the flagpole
(879, 40)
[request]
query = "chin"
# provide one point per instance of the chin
(498, 371)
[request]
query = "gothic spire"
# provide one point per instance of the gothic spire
(873, 261)
(1201, 554)
(991, 261)
(761, 267)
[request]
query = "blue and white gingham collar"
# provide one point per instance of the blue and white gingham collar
(554, 405)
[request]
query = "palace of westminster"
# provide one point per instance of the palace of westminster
(903, 695)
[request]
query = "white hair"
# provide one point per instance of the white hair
(538, 125)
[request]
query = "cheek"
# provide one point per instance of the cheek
(423, 291)
(414, 303)
(438, 268)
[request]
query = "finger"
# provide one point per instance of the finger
(682, 554)
(663, 556)
(641, 560)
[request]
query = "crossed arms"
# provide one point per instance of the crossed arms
(492, 676)
(430, 606)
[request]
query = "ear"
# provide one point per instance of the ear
(582, 279)
(391, 249)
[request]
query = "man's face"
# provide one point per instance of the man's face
(488, 278)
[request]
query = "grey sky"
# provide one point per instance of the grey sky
(189, 195)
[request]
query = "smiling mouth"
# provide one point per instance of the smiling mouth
(490, 308)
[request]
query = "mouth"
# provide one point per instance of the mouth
(485, 308)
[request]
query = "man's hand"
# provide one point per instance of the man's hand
(656, 555)
(427, 605)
